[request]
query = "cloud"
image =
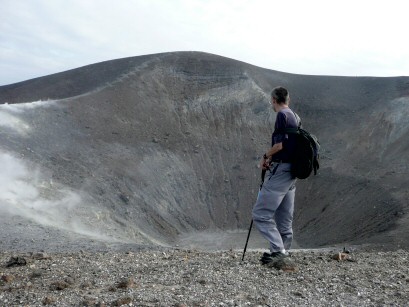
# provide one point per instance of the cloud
(294, 36)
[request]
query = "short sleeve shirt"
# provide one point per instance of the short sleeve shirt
(286, 118)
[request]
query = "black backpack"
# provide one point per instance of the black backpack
(306, 155)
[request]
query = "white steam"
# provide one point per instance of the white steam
(9, 115)
(28, 194)
(19, 107)
(10, 121)
(23, 193)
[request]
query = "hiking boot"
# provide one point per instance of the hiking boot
(266, 255)
(273, 257)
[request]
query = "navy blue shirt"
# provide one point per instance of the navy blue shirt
(286, 118)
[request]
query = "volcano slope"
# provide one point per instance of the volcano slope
(153, 148)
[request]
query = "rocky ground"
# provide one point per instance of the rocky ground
(197, 278)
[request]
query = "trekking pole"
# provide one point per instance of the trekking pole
(263, 173)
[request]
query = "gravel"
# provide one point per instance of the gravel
(198, 278)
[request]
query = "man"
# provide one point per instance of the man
(274, 208)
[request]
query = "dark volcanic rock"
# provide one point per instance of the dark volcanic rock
(214, 279)
(148, 148)
(16, 261)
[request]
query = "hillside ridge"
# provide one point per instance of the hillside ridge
(153, 148)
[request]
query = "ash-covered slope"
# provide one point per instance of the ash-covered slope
(156, 146)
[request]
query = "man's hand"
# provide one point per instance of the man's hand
(264, 163)
(266, 159)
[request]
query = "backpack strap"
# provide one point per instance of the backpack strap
(288, 131)
(297, 118)
(291, 130)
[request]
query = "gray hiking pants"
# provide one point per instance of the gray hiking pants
(274, 208)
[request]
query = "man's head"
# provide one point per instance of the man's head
(280, 98)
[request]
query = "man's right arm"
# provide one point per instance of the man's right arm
(265, 160)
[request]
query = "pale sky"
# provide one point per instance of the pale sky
(320, 37)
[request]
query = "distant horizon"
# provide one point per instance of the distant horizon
(293, 73)
(320, 38)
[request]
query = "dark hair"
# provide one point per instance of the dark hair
(280, 94)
